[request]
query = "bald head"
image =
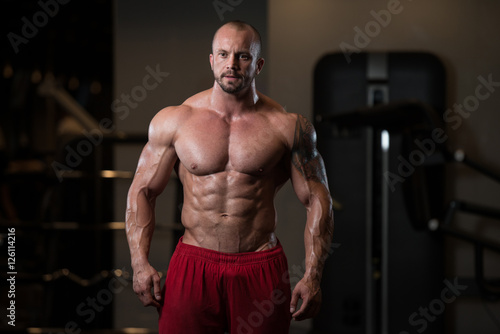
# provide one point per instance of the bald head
(243, 26)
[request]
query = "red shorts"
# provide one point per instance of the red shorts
(212, 292)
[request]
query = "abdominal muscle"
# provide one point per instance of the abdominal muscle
(229, 211)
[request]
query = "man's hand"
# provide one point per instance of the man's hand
(145, 279)
(310, 293)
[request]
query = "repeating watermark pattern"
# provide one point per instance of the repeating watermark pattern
(372, 29)
(298, 271)
(406, 167)
(11, 274)
(265, 308)
(121, 108)
(85, 147)
(425, 315)
(88, 309)
(221, 6)
(138, 93)
(452, 117)
(30, 28)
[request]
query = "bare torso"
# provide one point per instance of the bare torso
(232, 149)
(231, 168)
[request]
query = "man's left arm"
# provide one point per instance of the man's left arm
(310, 183)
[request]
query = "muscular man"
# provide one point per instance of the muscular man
(232, 148)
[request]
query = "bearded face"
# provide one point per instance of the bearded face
(235, 61)
(232, 82)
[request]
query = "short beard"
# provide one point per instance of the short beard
(230, 89)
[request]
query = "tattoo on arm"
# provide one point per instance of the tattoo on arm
(305, 157)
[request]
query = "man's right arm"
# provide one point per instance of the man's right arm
(155, 165)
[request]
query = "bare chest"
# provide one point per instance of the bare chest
(210, 145)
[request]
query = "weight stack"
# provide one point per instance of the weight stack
(388, 266)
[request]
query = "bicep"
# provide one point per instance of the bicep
(308, 173)
(154, 168)
(157, 159)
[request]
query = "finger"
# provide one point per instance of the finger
(310, 311)
(157, 287)
(154, 303)
(303, 309)
(294, 300)
(148, 300)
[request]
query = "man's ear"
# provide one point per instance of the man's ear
(260, 65)
(212, 61)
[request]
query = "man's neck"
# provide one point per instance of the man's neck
(233, 105)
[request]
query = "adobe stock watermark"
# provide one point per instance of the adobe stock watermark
(298, 271)
(265, 308)
(30, 28)
(454, 118)
(425, 315)
(372, 29)
(121, 108)
(222, 6)
(88, 309)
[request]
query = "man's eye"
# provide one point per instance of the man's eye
(222, 54)
(245, 57)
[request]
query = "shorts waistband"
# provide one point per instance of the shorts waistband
(230, 258)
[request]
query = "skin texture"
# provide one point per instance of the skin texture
(233, 148)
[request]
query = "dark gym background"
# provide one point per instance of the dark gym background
(72, 259)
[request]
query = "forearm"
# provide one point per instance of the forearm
(140, 224)
(318, 236)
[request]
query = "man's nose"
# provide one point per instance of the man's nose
(232, 62)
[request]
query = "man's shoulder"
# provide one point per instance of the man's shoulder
(171, 118)
(186, 108)
(170, 115)
(281, 112)
(275, 109)
(269, 103)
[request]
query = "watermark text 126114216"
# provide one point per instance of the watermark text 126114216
(11, 276)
